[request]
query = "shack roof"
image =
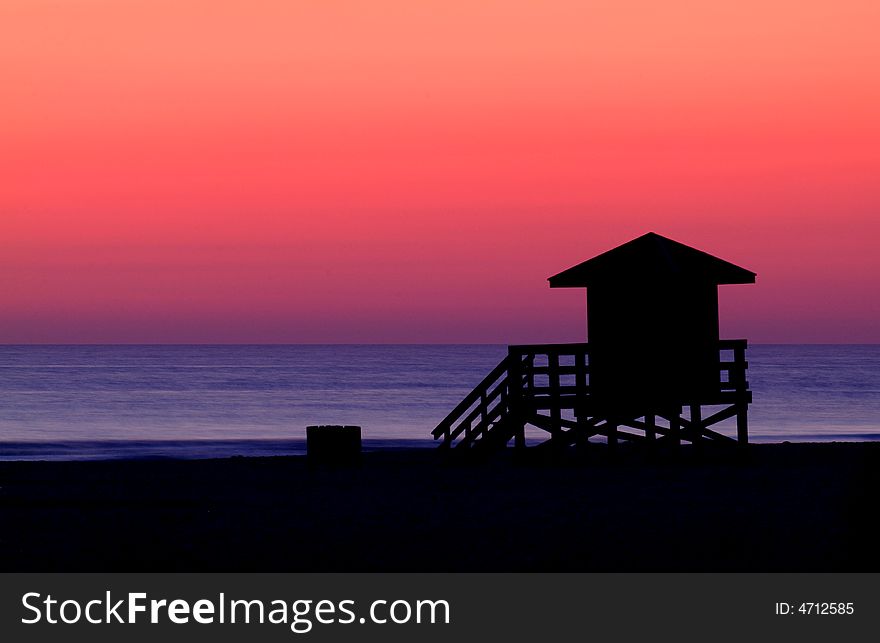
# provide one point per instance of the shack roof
(652, 256)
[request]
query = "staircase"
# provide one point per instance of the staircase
(481, 418)
(531, 379)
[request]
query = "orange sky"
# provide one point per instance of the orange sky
(397, 171)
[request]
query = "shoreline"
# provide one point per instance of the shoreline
(784, 507)
(192, 449)
(210, 448)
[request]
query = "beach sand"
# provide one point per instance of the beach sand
(782, 507)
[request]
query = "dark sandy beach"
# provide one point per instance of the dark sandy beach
(784, 507)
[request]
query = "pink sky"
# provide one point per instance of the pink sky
(341, 171)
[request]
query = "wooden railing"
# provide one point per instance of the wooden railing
(733, 372)
(477, 413)
(552, 371)
(553, 378)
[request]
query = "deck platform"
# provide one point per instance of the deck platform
(547, 386)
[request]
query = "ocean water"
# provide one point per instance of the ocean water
(81, 402)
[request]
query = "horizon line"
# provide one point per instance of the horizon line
(21, 344)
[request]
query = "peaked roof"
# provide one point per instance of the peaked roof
(654, 256)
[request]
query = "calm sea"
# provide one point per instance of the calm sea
(72, 402)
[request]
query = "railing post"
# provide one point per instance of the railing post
(738, 371)
(580, 393)
(742, 404)
(555, 402)
(742, 423)
(530, 373)
(696, 425)
(675, 426)
(580, 377)
(514, 396)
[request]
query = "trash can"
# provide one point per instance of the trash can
(333, 444)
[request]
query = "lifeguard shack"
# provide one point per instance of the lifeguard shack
(654, 368)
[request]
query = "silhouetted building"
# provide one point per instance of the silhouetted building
(654, 349)
(652, 320)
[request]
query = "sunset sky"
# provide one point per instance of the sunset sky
(400, 171)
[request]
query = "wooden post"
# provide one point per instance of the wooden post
(580, 397)
(612, 434)
(650, 433)
(737, 373)
(580, 378)
(514, 396)
(742, 423)
(581, 439)
(696, 425)
(519, 438)
(675, 427)
(530, 373)
(742, 404)
(555, 402)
